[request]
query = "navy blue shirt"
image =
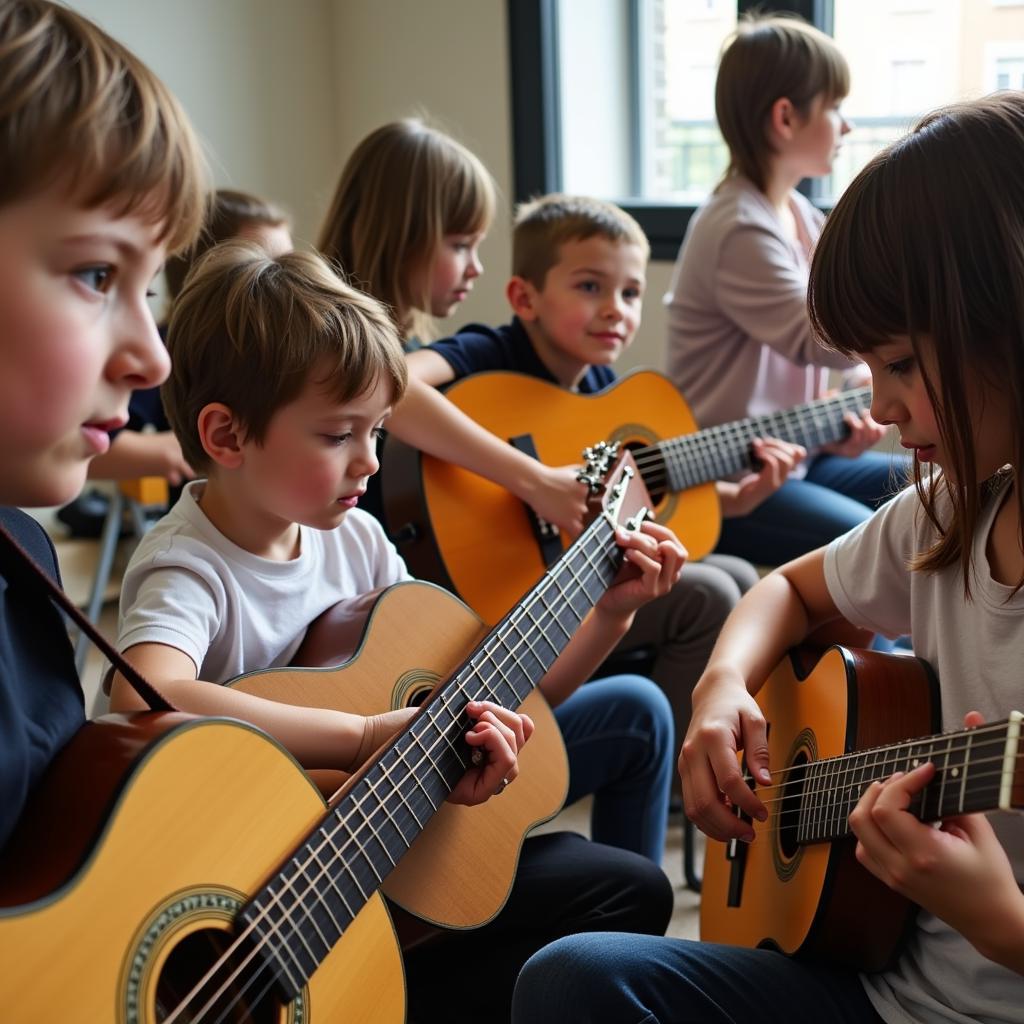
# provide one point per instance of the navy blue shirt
(41, 705)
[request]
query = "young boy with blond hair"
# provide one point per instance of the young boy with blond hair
(578, 274)
(282, 379)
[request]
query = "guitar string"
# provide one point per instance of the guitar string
(589, 572)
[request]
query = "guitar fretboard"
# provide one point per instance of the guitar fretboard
(975, 770)
(718, 452)
(298, 917)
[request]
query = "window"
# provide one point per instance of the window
(615, 98)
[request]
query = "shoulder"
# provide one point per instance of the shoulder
(477, 347)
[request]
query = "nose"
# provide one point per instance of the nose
(885, 407)
(139, 358)
(614, 307)
(474, 268)
(366, 461)
(846, 125)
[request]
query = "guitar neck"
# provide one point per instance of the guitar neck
(975, 770)
(299, 916)
(718, 452)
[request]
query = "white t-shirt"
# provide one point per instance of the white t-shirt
(977, 649)
(232, 612)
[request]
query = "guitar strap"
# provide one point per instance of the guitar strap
(32, 573)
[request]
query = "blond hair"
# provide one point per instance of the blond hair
(768, 58)
(77, 107)
(405, 187)
(247, 330)
(543, 225)
(925, 243)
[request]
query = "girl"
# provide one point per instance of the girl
(919, 270)
(740, 342)
(410, 211)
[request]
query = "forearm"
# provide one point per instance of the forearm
(1001, 937)
(596, 638)
(130, 455)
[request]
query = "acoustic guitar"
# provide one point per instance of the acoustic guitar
(172, 868)
(475, 538)
(835, 726)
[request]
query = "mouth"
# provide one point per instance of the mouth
(925, 452)
(106, 425)
(351, 500)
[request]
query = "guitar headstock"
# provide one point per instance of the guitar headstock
(617, 490)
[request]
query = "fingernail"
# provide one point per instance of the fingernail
(761, 815)
(747, 837)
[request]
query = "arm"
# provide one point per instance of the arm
(959, 872)
(133, 454)
(426, 420)
(653, 561)
(317, 737)
(778, 612)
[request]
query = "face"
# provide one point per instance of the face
(589, 308)
(817, 139)
(456, 266)
(76, 337)
(899, 396)
(275, 238)
(315, 459)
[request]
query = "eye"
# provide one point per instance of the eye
(900, 367)
(589, 287)
(379, 433)
(632, 293)
(97, 278)
(336, 439)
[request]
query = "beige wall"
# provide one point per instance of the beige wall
(281, 92)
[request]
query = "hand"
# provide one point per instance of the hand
(500, 734)
(725, 719)
(865, 433)
(959, 872)
(777, 460)
(169, 461)
(557, 496)
(653, 560)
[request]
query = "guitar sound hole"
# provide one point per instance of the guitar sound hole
(789, 808)
(245, 996)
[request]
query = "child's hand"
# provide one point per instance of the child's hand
(865, 433)
(557, 496)
(500, 735)
(654, 558)
(777, 460)
(959, 872)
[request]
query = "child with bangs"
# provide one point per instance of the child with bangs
(943, 561)
(739, 340)
(101, 179)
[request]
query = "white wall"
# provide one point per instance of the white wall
(282, 91)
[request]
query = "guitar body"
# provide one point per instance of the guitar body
(170, 823)
(474, 537)
(459, 871)
(815, 900)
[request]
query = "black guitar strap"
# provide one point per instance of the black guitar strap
(36, 576)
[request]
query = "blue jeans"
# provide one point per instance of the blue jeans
(610, 978)
(620, 740)
(836, 495)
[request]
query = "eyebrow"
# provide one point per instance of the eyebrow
(123, 246)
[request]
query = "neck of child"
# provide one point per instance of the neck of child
(779, 182)
(566, 369)
(243, 523)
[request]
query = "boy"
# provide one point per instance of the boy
(102, 177)
(579, 267)
(282, 379)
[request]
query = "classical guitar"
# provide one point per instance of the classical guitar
(834, 727)
(473, 537)
(175, 869)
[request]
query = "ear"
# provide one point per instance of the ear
(783, 119)
(521, 294)
(220, 435)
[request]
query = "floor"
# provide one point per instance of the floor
(77, 561)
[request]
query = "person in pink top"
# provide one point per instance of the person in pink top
(740, 340)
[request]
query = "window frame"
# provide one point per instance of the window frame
(536, 129)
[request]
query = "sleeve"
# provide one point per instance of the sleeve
(763, 291)
(474, 349)
(866, 570)
(172, 605)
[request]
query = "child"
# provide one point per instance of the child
(282, 377)
(411, 209)
(136, 451)
(944, 561)
(740, 343)
(579, 267)
(102, 177)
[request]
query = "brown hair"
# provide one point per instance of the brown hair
(76, 105)
(543, 225)
(230, 212)
(767, 58)
(247, 330)
(926, 243)
(405, 187)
